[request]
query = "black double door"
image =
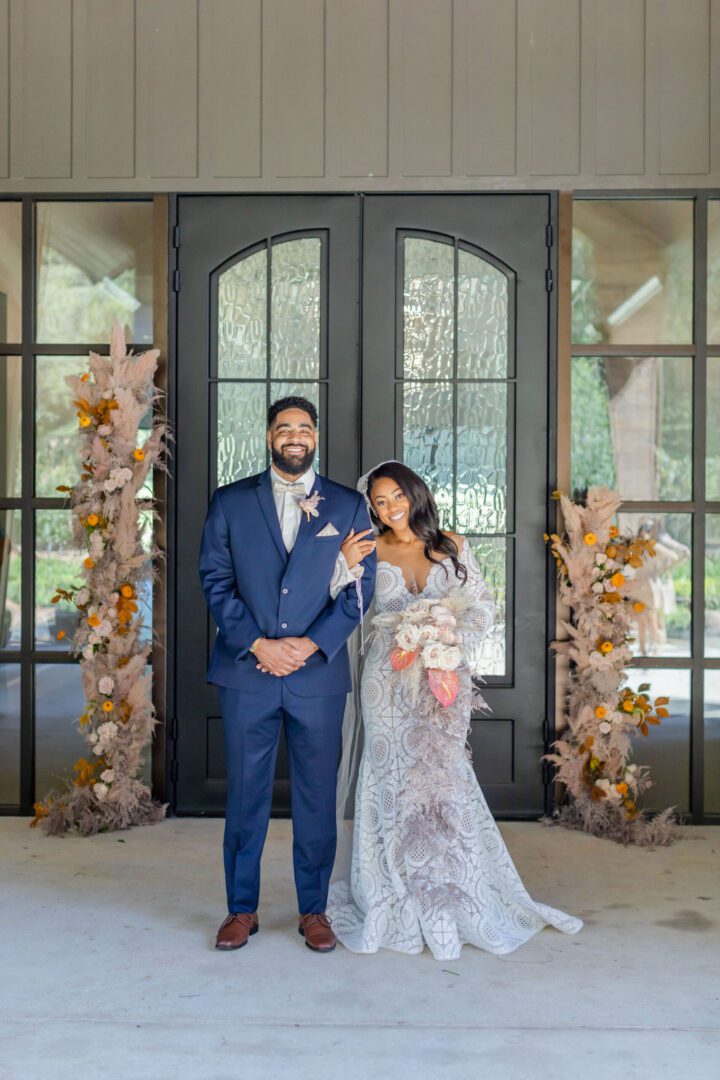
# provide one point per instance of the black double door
(421, 327)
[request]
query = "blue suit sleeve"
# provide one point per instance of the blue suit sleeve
(340, 616)
(217, 575)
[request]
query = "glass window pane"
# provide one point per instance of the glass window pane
(242, 318)
(712, 585)
(10, 426)
(713, 316)
(56, 424)
(632, 276)
(428, 440)
(10, 271)
(9, 734)
(667, 748)
(295, 314)
(665, 583)
(59, 703)
(631, 425)
(58, 562)
(491, 555)
(482, 319)
(10, 579)
(310, 391)
(712, 454)
(481, 457)
(428, 309)
(94, 265)
(241, 427)
(712, 742)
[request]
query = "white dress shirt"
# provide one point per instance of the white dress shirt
(288, 507)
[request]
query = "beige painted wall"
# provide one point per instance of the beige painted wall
(243, 95)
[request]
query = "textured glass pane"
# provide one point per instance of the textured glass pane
(94, 265)
(491, 555)
(665, 583)
(59, 702)
(10, 271)
(631, 425)
(482, 319)
(10, 579)
(481, 457)
(711, 756)
(242, 423)
(428, 309)
(9, 734)
(632, 272)
(712, 585)
(713, 315)
(667, 748)
(10, 426)
(712, 452)
(242, 319)
(57, 563)
(428, 440)
(56, 424)
(295, 316)
(310, 391)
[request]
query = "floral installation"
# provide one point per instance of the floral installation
(119, 717)
(431, 643)
(596, 572)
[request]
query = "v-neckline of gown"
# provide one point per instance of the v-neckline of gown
(411, 592)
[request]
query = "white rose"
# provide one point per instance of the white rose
(445, 657)
(104, 629)
(452, 658)
(600, 558)
(100, 790)
(105, 429)
(605, 728)
(108, 776)
(447, 636)
(106, 685)
(82, 596)
(108, 730)
(92, 737)
(598, 587)
(428, 634)
(98, 749)
(88, 652)
(604, 784)
(408, 638)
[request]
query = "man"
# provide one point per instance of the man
(269, 547)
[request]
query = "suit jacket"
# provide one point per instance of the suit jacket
(256, 588)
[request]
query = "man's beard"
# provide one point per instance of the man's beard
(294, 465)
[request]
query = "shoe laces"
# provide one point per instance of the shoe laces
(319, 917)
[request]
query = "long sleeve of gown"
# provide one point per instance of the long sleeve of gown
(343, 575)
(481, 615)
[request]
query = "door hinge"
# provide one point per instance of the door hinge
(176, 281)
(176, 236)
(174, 769)
(549, 282)
(548, 236)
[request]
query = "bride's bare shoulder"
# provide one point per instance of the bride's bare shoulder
(456, 538)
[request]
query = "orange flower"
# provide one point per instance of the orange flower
(638, 606)
(622, 788)
(590, 538)
(601, 712)
(92, 519)
(628, 705)
(93, 620)
(88, 563)
(617, 580)
(85, 421)
(611, 551)
(614, 531)
(84, 377)
(60, 635)
(139, 454)
(127, 590)
(107, 706)
(606, 647)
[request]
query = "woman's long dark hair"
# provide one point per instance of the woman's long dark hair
(424, 520)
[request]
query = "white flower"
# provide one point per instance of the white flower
(604, 728)
(107, 394)
(631, 768)
(604, 783)
(447, 636)
(118, 478)
(600, 558)
(106, 685)
(408, 637)
(108, 730)
(598, 587)
(94, 640)
(88, 651)
(115, 597)
(97, 749)
(92, 737)
(105, 429)
(100, 790)
(82, 596)
(104, 629)
(445, 657)
(108, 776)
(442, 616)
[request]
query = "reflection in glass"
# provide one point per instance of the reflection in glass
(631, 425)
(667, 748)
(428, 440)
(491, 555)
(712, 585)
(295, 314)
(56, 425)
(428, 309)
(482, 319)
(713, 300)
(58, 562)
(10, 552)
(632, 274)
(10, 271)
(665, 583)
(241, 427)
(94, 265)
(9, 734)
(10, 426)
(481, 483)
(242, 318)
(712, 452)
(711, 756)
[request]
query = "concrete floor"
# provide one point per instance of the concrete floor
(108, 969)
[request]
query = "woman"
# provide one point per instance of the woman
(429, 865)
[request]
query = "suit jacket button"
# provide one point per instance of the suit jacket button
(284, 591)
(283, 626)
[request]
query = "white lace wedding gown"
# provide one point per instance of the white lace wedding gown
(486, 903)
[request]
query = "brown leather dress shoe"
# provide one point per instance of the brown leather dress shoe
(317, 932)
(236, 930)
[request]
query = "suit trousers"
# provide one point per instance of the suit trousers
(313, 732)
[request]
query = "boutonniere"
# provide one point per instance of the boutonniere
(309, 504)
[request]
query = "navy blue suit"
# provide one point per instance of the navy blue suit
(255, 588)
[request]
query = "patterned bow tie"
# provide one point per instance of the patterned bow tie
(287, 487)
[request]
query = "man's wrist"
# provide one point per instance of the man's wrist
(254, 645)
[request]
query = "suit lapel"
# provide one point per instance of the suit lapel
(308, 528)
(267, 505)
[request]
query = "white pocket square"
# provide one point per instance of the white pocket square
(328, 530)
